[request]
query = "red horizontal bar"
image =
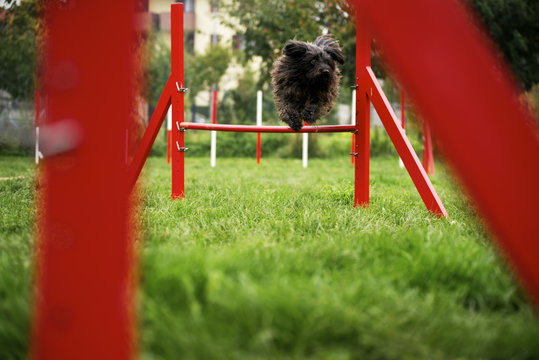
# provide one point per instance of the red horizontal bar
(268, 129)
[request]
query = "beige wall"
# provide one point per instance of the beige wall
(206, 24)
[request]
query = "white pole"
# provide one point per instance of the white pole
(213, 134)
(169, 119)
(259, 108)
(305, 149)
(37, 145)
(212, 150)
(353, 112)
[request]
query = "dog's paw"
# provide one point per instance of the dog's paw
(296, 125)
(293, 120)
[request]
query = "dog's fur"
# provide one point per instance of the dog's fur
(306, 80)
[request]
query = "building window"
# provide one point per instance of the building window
(156, 21)
(188, 5)
(237, 42)
(215, 39)
(213, 6)
(190, 41)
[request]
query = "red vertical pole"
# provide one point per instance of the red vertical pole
(83, 303)
(258, 148)
(178, 142)
(214, 107)
(362, 135)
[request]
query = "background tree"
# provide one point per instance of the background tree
(203, 70)
(18, 55)
(514, 26)
(267, 24)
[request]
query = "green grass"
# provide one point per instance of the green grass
(273, 261)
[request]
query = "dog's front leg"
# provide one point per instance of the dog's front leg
(291, 117)
(310, 113)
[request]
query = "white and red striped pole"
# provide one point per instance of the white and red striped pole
(305, 149)
(353, 122)
(213, 133)
(258, 123)
(37, 127)
(169, 133)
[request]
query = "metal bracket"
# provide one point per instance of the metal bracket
(182, 149)
(354, 87)
(181, 89)
(354, 131)
(354, 154)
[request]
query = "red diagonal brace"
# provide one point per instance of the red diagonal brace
(403, 146)
(150, 134)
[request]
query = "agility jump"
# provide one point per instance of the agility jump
(367, 89)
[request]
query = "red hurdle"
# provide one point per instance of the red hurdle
(367, 89)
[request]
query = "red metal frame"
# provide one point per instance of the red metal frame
(214, 107)
(150, 134)
(490, 139)
(267, 129)
(404, 148)
(362, 136)
(258, 148)
(178, 137)
(84, 273)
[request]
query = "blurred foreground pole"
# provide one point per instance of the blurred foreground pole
(489, 138)
(83, 297)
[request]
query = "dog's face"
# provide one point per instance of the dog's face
(317, 61)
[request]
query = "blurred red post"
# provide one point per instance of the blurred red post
(499, 168)
(84, 271)
(178, 138)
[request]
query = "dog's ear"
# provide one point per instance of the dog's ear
(335, 54)
(295, 49)
(330, 46)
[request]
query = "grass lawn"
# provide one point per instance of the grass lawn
(273, 261)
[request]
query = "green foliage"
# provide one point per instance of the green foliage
(158, 53)
(203, 70)
(266, 25)
(18, 29)
(514, 26)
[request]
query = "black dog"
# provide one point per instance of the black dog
(306, 80)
